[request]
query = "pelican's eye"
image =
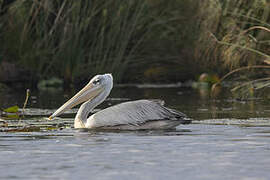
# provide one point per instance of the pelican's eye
(96, 82)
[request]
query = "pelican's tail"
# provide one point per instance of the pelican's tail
(185, 120)
(180, 116)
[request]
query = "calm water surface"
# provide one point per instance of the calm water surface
(231, 141)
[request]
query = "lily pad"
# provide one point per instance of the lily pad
(12, 109)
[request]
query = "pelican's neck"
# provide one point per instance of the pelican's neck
(85, 109)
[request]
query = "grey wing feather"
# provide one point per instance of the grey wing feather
(136, 113)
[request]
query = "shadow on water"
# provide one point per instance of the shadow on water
(173, 132)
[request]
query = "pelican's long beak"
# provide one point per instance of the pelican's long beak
(87, 93)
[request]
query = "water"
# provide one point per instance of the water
(230, 139)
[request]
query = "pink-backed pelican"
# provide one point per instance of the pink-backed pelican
(133, 115)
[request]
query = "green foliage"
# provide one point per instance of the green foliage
(12, 109)
(12, 112)
(80, 37)
(74, 40)
(77, 39)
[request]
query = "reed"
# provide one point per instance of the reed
(173, 40)
(235, 38)
(81, 37)
(77, 39)
(234, 35)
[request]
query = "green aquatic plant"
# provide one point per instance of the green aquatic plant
(11, 112)
(14, 112)
(12, 109)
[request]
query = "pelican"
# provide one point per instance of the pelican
(133, 115)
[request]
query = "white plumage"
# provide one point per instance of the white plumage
(133, 115)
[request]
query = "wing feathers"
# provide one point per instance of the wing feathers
(133, 113)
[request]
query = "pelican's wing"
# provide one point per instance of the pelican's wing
(135, 113)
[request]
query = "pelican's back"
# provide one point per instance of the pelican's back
(140, 114)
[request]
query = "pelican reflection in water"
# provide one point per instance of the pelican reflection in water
(133, 115)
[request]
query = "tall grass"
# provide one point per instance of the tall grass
(226, 34)
(237, 37)
(173, 40)
(167, 50)
(77, 39)
(74, 38)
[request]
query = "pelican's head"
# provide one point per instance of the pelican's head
(98, 87)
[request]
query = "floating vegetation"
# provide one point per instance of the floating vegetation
(12, 109)
(35, 124)
(11, 112)
(20, 129)
(14, 112)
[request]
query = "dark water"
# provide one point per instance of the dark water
(230, 139)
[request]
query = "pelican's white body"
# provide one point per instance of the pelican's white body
(133, 115)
